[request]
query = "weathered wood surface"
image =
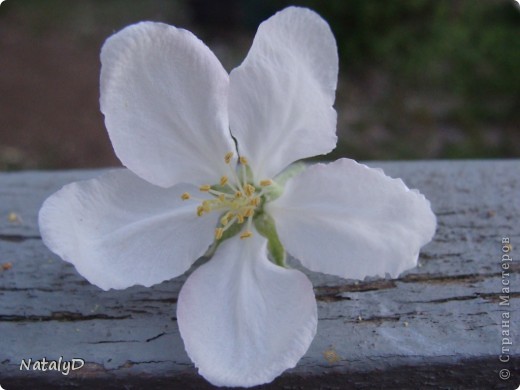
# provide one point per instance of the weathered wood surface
(436, 326)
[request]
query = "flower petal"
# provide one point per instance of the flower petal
(243, 319)
(119, 230)
(346, 219)
(281, 96)
(164, 96)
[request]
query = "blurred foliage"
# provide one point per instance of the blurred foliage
(418, 78)
(464, 51)
(471, 46)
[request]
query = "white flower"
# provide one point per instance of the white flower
(169, 108)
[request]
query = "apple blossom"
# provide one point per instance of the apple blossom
(174, 116)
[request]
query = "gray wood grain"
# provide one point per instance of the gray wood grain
(436, 326)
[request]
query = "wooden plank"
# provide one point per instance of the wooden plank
(438, 325)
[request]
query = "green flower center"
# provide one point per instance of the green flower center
(237, 199)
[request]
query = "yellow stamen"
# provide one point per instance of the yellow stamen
(238, 194)
(206, 206)
(225, 219)
(255, 201)
(249, 213)
(228, 157)
(246, 234)
(223, 180)
(200, 211)
(249, 189)
(240, 218)
(205, 188)
(185, 196)
(218, 233)
(265, 183)
(243, 160)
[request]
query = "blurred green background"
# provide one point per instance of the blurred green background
(419, 79)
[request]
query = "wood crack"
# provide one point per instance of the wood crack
(18, 237)
(114, 341)
(59, 316)
(155, 337)
(330, 293)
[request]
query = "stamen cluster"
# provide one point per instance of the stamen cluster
(235, 196)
